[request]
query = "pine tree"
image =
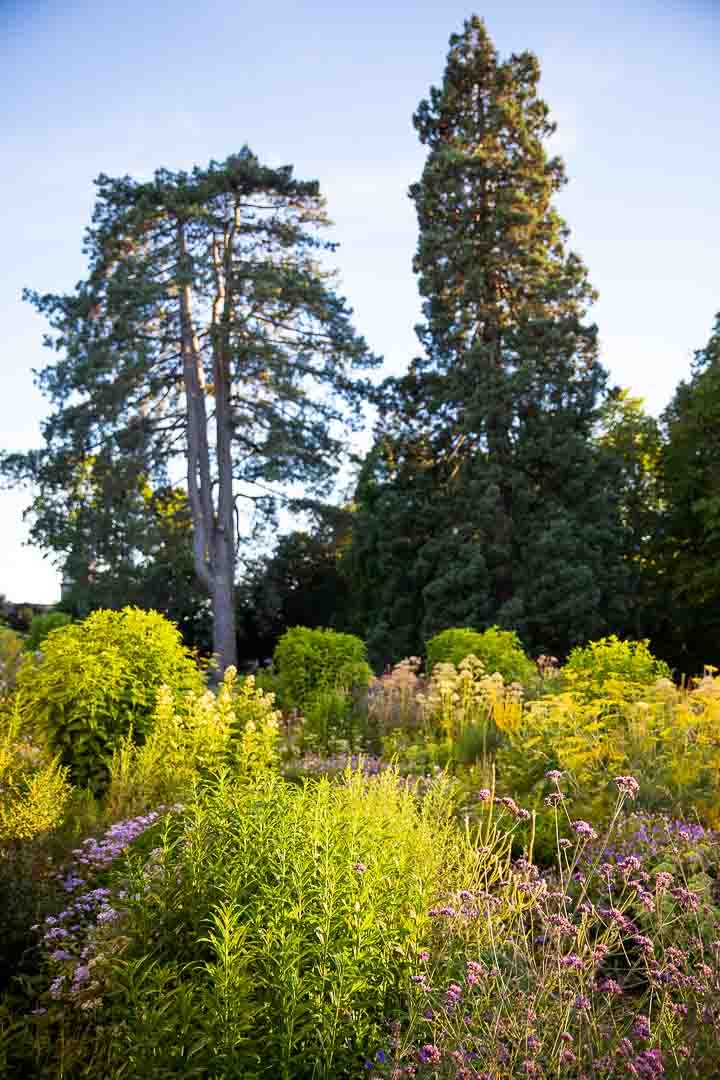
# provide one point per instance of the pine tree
(506, 396)
(686, 549)
(207, 330)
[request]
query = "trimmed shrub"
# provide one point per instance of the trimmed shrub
(498, 650)
(311, 661)
(611, 667)
(98, 679)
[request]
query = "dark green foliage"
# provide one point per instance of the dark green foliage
(686, 548)
(486, 498)
(159, 577)
(98, 679)
(41, 626)
(312, 660)
(499, 650)
(302, 583)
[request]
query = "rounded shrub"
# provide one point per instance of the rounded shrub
(98, 679)
(499, 650)
(611, 667)
(309, 662)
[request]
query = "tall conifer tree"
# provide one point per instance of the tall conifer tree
(685, 552)
(500, 409)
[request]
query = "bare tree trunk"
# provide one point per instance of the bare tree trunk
(223, 601)
(224, 630)
(213, 535)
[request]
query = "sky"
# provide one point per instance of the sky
(125, 88)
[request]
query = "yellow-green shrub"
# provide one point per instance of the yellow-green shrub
(34, 789)
(237, 727)
(309, 661)
(612, 668)
(669, 740)
(98, 679)
(11, 655)
(499, 650)
(42, 625)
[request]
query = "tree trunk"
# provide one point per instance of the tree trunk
(223, 601)
(224, 635)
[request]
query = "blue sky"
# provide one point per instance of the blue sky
(129, 87)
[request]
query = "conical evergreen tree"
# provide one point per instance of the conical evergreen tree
(686, 549)
(502, 406)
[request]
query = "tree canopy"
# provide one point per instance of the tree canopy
(207, 332)
(486, 498)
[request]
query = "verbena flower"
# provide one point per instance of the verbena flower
(627, 786)
(429, 1054)
(582, 828)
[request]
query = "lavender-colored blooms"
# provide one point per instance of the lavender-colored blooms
(429, 1054)
(582, 828)
(107, 915)
(91, 906)
(627, 786)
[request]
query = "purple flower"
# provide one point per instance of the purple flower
(359, 867)
(641, 1027)
(583, 829)
(648, 1065)
(687, 900)
(429, 1054)
(484, 794)
(57, 933)
(627, 786)
(554, 774)
(554, 799)
(644, 942)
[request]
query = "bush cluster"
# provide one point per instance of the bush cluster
(97, 679)
(498, 650)
(203, 914)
